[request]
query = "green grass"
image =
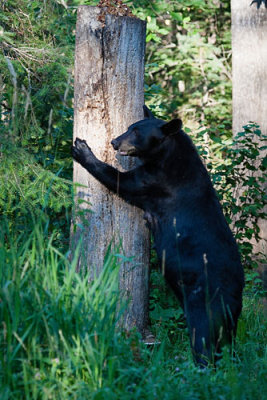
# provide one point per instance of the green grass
(59, 339)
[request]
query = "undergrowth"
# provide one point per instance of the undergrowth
(27, 190)
(58, 336)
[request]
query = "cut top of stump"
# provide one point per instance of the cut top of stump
(114, 7)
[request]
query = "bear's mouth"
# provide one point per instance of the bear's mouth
(129, 152)
(123, 153)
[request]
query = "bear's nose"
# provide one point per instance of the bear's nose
(115, 144)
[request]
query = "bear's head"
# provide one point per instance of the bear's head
(145, 138)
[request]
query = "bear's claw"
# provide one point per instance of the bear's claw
(80, 150)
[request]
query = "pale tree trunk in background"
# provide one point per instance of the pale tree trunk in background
(249, 44)
(109, 95)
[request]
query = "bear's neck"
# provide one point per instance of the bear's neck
(178, 156)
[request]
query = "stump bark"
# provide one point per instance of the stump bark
(108, 97)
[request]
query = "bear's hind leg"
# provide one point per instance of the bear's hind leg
(210, 329)
(201, 335)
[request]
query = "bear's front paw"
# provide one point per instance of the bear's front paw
(81, 152)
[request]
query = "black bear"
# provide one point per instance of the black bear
(193, 242)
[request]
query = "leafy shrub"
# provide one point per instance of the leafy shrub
(239, 177)
(29, 192)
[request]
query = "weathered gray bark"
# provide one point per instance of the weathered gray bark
(249, 43)
(109, 95)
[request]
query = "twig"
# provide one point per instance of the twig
(15, 91)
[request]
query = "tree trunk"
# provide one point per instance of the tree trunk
(109, 95)
(249, 44)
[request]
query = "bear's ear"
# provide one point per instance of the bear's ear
(147, 113)
(172, 127)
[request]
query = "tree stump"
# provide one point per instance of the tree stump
(108, 97)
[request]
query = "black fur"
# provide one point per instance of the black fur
(194, 244)
(259, 3)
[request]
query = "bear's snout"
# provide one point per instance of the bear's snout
(115, 144)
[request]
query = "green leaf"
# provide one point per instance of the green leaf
(177, 16)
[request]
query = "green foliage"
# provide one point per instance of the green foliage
(58, 333)
(189, 55)
(28, 191)
(36, 62)
(240, 179)
(167, 320)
